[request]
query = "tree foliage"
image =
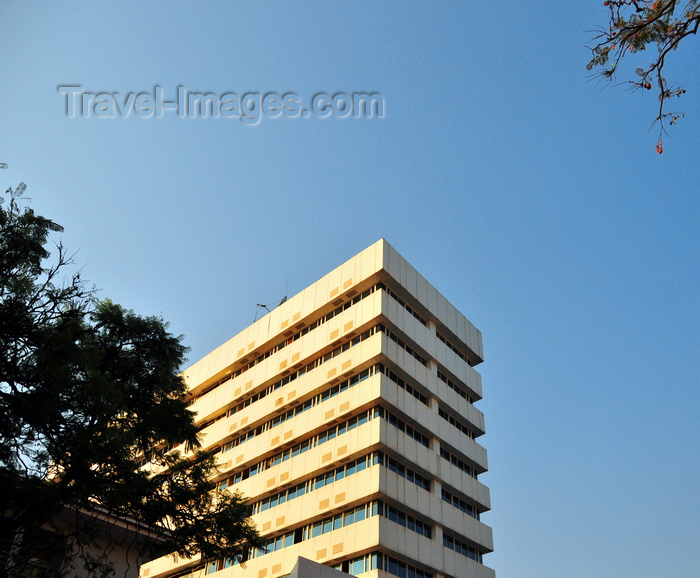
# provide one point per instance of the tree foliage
(636, 25)
(89, 395)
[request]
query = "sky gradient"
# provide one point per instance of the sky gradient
(526, 192)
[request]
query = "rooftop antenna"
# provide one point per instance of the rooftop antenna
(263, 306)
(286, 292)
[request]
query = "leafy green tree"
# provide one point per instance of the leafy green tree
(636, 25)
(94, 412)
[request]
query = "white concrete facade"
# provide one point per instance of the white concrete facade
(347, 417)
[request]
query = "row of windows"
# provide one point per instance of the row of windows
(460, 504)
(398, 568)
(329, 393)
(355, 566)
(336, 389)
(407, 521)
(293, 376)
(339, 430)
(335, 352)
(403, 304)
(329, 434)
(455, 461)
(347, 518)
(291, 339)
(219, 565)
(305, 445)
(403, 345)
(328, 317)
(318, 482)
(462, 548)
(380, 561)
(359, 565)
(453, 422)
(348, 383)
(407, 429)
(402, 384)
(378, 368)
(455, 387)
(407, 473)
(327, 478)
(453, 348)
(301, 408)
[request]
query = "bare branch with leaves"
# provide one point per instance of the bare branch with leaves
(636, 25)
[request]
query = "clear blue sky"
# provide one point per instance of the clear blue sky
(535, 202)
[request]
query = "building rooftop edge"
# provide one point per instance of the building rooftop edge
(380, 257)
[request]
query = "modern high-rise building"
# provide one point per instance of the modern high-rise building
(346, 416)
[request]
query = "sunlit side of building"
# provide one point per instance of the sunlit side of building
(347, 417)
